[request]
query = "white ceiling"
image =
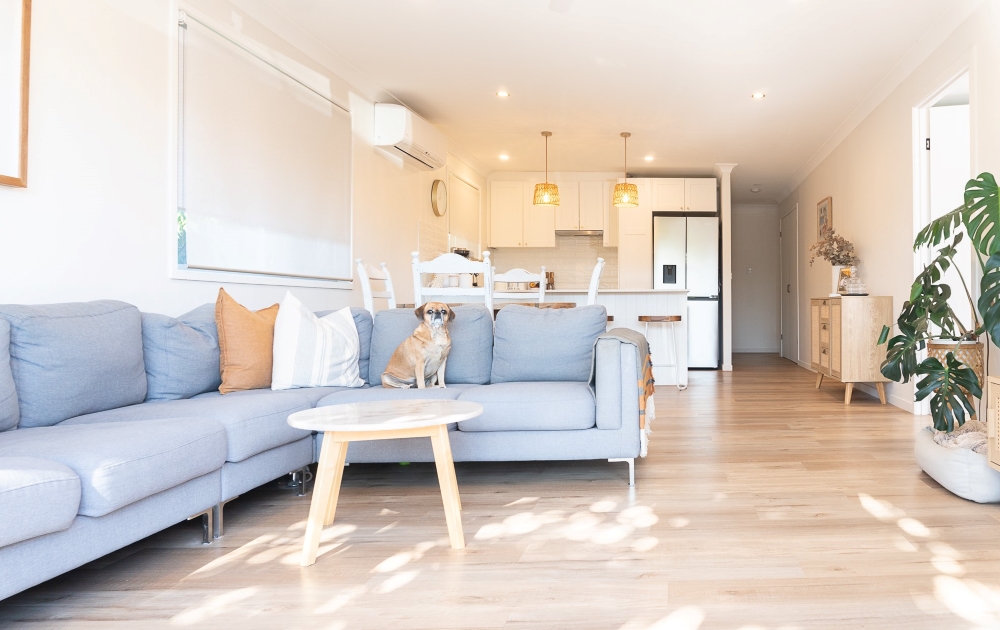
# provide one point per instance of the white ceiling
(677, 74)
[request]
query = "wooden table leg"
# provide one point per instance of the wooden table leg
(819, 379)
(881, 392)
(328, 476)
(848, 390)
(449, 486)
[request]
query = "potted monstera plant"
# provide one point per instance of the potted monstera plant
(926, 318)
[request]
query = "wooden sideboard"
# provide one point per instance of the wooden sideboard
(844, 337)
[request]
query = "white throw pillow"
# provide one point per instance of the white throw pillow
(310, 351)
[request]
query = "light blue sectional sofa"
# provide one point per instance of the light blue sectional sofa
(112, 427)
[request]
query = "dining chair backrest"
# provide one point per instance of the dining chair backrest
(519, 276)
(366, 275)
(453, 264)
(595, 282)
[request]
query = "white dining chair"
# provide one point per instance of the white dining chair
(520, 276)
(366, 275)
(595, 282)
(453, 264)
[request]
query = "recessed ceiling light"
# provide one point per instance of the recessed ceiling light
(649, 158)
(504, 157)
(755, 190)
(758, 95)
(503, 94)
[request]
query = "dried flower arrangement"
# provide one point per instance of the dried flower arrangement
(834, 249)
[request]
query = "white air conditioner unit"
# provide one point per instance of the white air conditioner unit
(409, 136)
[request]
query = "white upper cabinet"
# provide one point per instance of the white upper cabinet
(539, 222)
(667, 194)
(506, 214)
(635, 247)
(610, 214)
(676, 194)
(592, 206)
(700, 195)
(568, 210)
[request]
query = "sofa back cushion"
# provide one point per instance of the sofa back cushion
(181, 354)
(363, 322)
(72, 359)
(471, 333)
(9, 414)
(546, 344)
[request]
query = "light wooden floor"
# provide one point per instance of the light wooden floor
(764, 504)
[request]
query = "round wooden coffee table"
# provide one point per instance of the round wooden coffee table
(380, 420)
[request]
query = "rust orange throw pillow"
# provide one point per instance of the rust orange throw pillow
(246, 343)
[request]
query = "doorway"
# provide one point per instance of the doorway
(789, 235)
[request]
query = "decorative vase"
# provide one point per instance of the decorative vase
(836, 280)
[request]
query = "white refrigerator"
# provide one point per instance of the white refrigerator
(686, 256)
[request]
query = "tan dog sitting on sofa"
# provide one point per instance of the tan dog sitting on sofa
(419, 361)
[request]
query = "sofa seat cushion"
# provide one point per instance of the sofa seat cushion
(370, 394)
(471, 332)
(532, 406)
(546, 344)
(255, 420)
(37, 497)
(72, 359)
(119, 463)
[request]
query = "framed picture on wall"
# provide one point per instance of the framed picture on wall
(15, 44)
(824, 218)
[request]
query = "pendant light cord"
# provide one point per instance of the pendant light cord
(626, 159)
(546, 159)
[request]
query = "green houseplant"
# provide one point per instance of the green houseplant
(926, 316)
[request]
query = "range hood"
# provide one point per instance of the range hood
(579, 232)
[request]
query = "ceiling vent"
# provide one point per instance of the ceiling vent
(410, 137)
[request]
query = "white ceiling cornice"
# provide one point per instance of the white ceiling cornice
(950, 20)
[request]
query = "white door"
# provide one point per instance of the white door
(592, 206)
(506, 214)
(789, 285)
(669, 253)
(667, 194)
(568, 210)
(700, 195)
(703, 256)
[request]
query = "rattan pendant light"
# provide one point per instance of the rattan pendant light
(546, 194)
(626, 194)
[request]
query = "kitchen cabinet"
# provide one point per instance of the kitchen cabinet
(610, 214)
(677, 194)
(581, 206)
(635, 242)
(568, 210)
(515, 221)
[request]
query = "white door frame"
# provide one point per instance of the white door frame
(781, 266)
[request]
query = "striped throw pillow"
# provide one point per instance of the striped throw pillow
(312, 351)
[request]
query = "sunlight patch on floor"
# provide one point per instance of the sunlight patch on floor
(213, 606)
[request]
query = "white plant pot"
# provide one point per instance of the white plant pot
(835, 280)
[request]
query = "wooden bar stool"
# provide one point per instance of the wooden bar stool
(666, 319)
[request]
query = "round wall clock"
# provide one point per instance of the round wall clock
(439, 197)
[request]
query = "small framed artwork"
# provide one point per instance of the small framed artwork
(15, 44)
(824, 218)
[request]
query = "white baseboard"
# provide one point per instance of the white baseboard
(756, 350)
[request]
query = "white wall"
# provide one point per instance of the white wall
(870, 174)
(96, 219)
(756, 279)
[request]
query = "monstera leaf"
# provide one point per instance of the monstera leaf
(989, 297)
(982, 214)
(940, 228)
(949, 384)
(901, 356)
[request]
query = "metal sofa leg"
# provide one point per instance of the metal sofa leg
(206, 524)
(217, 512)
(631, 468)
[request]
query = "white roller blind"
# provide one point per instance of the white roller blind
(265, 182)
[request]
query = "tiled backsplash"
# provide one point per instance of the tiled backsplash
(572, 259)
